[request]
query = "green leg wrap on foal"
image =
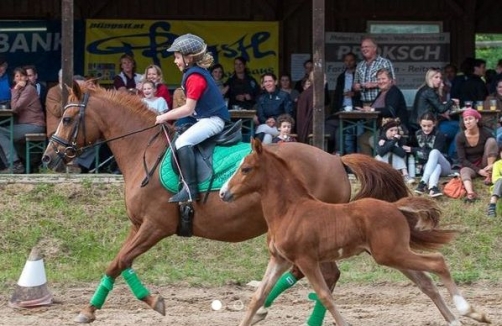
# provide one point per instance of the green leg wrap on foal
(134, 283)
(99, 297)
(286, 281)
(317, 317)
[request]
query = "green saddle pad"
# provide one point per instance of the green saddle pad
(225, 162)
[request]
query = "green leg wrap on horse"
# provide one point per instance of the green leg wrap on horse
(99, 297)
(317, 317)
(134, 283)
(286, 281)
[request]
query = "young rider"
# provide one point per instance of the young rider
(203, 102)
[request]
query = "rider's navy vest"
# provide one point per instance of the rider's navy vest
(211, 102)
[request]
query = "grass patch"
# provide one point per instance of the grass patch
(81, 227)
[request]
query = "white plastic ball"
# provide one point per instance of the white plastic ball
(216, 305)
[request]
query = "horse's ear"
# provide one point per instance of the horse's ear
(77, 92)
(257, 146)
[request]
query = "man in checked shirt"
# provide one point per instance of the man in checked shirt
(365, 80)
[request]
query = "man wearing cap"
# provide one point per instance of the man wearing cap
(4, 81)
(203, 102)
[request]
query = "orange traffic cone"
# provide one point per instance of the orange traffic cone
(31, 290)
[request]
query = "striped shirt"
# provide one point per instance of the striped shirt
(367, 73)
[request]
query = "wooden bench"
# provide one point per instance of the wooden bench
(35, 144)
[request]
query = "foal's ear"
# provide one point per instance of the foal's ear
(257, 146)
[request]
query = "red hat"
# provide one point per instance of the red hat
(471, 113)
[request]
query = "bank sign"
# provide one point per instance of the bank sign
(34, 42)
(147, 41)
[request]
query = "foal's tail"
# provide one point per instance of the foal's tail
(423, 216)
(378, 179)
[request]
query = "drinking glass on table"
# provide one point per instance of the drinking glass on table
(493, 105)
(479, 105)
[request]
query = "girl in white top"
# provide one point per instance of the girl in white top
(155, 103)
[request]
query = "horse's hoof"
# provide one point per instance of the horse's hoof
(260, 315)
(478, 316)
(83, 318)
(158, 305)
(474, 314)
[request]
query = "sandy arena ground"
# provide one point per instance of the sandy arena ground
(379, 305)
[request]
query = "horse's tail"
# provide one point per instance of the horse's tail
(423, 216)
(378, 179)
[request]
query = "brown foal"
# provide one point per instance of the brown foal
(306, 232)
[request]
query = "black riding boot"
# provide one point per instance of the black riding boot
(186, 158)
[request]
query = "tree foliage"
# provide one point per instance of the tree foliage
(488, 47)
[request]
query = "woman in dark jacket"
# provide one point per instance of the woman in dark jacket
(428, 99)
(390, 103)
(271, 104)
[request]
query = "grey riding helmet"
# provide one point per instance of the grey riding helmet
(188, 44)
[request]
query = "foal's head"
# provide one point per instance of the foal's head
(260, 171)
(247, 178)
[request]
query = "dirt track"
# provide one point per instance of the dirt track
(386, 304)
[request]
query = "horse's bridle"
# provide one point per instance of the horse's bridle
(71, 149)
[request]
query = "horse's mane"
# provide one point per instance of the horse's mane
(118, 100)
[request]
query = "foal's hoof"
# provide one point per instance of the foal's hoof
(84, 318)
(260, 315)
(158, 305)
(478, 316)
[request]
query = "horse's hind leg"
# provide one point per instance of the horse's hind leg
(425, 284)
(276, 266)
(432, 263)
(138, 241)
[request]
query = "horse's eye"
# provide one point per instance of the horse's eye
(245, 170)
(66, 120)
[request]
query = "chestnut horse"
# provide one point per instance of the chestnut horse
(306, 232)
(128, 126)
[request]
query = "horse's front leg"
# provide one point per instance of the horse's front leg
(137, 242)
(312, 271)
(331, 274)
(276, 266)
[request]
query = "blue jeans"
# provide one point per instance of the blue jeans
(437, 166)
(450, 128)
(499, 136)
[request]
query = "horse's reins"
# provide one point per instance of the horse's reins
(72, 150)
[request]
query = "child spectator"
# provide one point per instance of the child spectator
(497, 186)
(286, 124)
(154, 74)
(158, 104)
(390, 150)
(218, 72)
(430, 153)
